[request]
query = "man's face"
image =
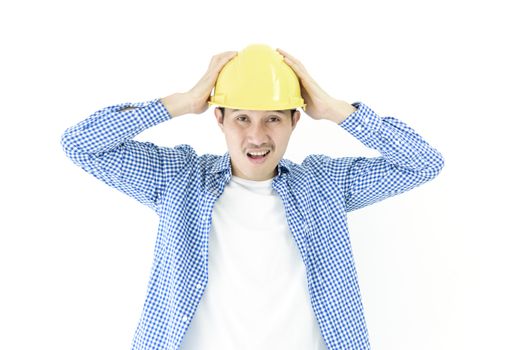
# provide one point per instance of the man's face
(256, 140)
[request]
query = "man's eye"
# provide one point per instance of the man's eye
(241, 118)
(274, 119)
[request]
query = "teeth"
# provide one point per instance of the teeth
(258, 153)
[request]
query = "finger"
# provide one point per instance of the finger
(295, 64)
(227, 55)
(296, 67)
(224, 54)
(219, 60)
(286, 54)
(216, 64)
(291, 58)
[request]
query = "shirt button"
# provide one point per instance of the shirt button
(184, 319)
(359, 128)
(199, 286)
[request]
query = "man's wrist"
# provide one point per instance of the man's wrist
(340, 111)
(177, 104)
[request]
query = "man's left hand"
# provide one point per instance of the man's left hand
(319, 105)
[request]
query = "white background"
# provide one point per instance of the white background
(440, 267)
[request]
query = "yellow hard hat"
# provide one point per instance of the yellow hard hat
(257, 79)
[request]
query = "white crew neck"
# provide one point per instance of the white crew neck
(251, 183)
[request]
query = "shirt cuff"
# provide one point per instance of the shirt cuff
(363, 123)
(150, 113)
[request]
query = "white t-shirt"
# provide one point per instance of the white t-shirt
(257, 296)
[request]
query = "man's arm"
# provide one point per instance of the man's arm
(102, 144)
(406, 159)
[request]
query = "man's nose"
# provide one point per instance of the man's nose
(258, 134)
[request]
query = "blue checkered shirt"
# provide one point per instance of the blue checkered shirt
(182, 188)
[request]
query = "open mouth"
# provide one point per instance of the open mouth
(258, 156)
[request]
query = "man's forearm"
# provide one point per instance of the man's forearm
(177, 104)
(111, 126)
(339, 111)
(395, 140)
(125, 121)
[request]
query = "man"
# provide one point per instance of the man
(253, 250)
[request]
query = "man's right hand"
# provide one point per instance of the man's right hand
(195, 100)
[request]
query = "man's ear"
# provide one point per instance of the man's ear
(295, 118)
(219, 117)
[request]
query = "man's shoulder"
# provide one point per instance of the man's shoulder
(309, 167)
(189, 156)
(309, 163)
(214, 162)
